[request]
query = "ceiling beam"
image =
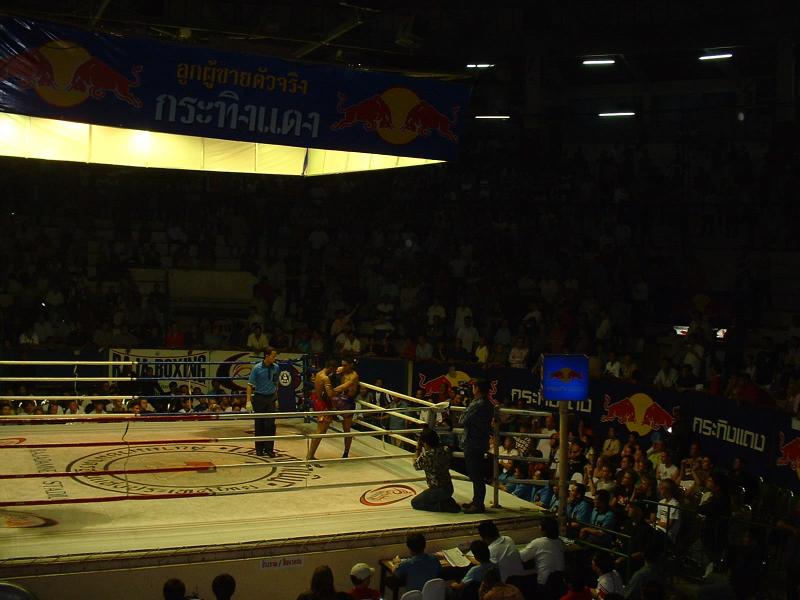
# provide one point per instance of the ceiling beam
(332, 35)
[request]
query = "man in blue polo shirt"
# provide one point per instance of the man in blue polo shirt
(264, 380)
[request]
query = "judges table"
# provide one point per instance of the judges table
(451, 573)
(388, 580)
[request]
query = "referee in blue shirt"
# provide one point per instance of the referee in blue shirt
(264, 380)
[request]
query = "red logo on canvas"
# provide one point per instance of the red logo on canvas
(387, 494)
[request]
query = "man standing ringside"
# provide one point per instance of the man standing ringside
(477, 423)
(264, 380)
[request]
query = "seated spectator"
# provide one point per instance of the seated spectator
(518, 355)
(546, 552)
(654, 451)
(623, 493)
(716, 508)
(476, 573)
(602, 518)
(604, 480)
(257, 341)
(667, 376)
(509, 448)
(174, 337)
(608, 579)
(579, 510)
(668, 513)
(498, 356)
(691, 462)
(435, 330)
(640, 537)
(457, 353)
(538, 471)
(649, 573)
(524, 491)
(493, 588)
(223, 586)
(414, 572)
(576, 585)
(502, 549)
(348, 344)
(611, 445)
(29, 337)
(424, 349)
(687, 380)
(467, 335)
(174, 589)
(628, 370)
(322, 587)
(666, 469)
(360, 576)
(714, 383)
(613, 366)
(481, 351)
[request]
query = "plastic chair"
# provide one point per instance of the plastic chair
(412, 595)
(434, 589)
(12, 591)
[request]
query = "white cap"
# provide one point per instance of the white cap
(361, 571)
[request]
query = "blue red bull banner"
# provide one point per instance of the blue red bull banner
(59, 72)
(565, 377)
(767, 440)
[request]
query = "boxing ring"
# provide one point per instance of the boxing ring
(97, 500)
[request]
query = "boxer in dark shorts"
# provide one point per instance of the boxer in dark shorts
(345, 398)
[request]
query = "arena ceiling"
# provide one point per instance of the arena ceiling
(657, 40)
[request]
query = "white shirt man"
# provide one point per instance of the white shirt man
(666, 378)
(613, 367)
(257, 341)
(467, 335)
(547, 554)
(694, 358)
(544, 443)
(351, 345)
(503, 552)
(462, 312)
(434, 310)
(668, 514)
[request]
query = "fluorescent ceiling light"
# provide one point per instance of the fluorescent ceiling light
(616, 114)
(500, 117)
(599, 61)
(721, 56)
(480, 66)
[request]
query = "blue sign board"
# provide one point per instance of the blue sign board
(60, 72)
(565, 377)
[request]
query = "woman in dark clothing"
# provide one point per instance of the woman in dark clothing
(322, 587)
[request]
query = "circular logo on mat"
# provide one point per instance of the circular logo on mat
(387, 494)
(20, 520)
(214, 468)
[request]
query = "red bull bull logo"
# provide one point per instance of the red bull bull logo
(64, 74)
(436, 386)
(638, 412)
(790, 453)
(397, 115)
(565, 374)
